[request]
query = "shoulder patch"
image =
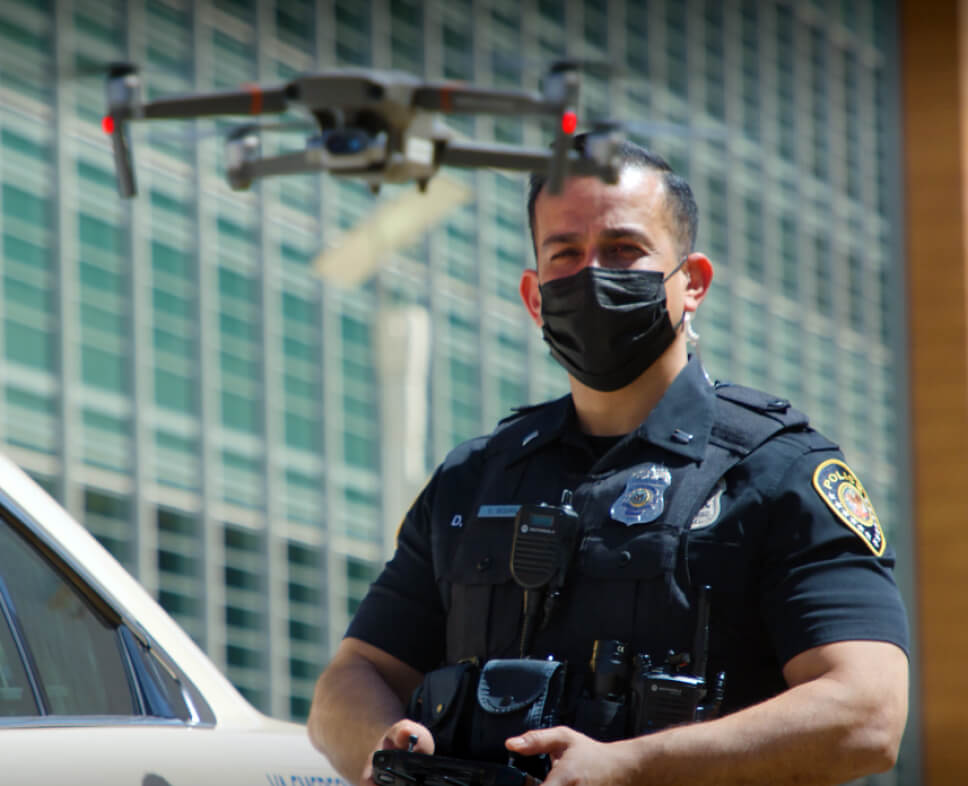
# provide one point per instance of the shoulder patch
(839, 487)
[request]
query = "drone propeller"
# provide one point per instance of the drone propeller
(394, 224)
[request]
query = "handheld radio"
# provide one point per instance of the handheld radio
(541, 551)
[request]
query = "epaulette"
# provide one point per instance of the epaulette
(534, 423)
(524, 409)
(747, 417)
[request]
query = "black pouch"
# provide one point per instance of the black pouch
(443, 703)
(514, 696)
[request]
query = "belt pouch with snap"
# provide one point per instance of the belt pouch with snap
(442, 703)
(514, 696)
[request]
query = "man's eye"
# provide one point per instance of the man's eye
(624, 251)
(565, 253)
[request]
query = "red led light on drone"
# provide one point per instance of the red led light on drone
(107, 124)
(569, 122)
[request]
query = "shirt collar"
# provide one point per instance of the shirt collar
(683, 419)
(680, 423)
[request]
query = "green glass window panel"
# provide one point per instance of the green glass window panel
(240, 367)
(299, 388)
(302, 631)
(239, 413)
(298, 309)
(295, 23)
(360, 570)
(300, 432)
(161, 201)
(294, 349)
(226, 44)
(171, 343)
(26, 206)
(824, 282)
(183, 608)
(26, 295)
(16, 249)
(98, 233)
(354, 330)
(243, 9)
(172, 305)
(104, 422)
(855, 285)
(238, 539)
(34, 402)
(233, 230)
(12, 142)
(359, 451)
(95, 175)
(293, 255)
(174, 391)
(103, 22)
(236, 285)
(28, 346)
(677, 70)
(99, 279)
(108, 517)
(174, 261)
(167, 441)
(99, 319)
(789, 264)
(753, 232)
(103, 369)
(236, 327)
(177, 523)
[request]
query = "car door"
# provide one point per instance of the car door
(87, 696)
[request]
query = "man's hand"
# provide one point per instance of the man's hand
(575, 758)
(397, 737)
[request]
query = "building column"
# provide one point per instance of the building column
(934, 48)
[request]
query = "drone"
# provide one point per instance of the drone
(376, 126)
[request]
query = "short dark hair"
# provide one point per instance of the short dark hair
(681, 202)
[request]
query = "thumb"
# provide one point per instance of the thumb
(554, 741)
(398, 736)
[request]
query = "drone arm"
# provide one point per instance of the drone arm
(252, 101)
(453, 98)
(242, 172)
(515, 159)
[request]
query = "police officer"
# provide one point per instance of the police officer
(678, 484)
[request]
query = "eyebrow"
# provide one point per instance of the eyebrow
(617, 233)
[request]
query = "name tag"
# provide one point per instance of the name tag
(498, 511)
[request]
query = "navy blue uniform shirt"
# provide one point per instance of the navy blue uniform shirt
(786, 539)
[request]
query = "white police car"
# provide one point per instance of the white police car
(98, 685)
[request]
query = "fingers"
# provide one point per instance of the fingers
(399, 734)
(554, 742)
(397, 737)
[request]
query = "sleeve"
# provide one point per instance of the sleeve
(828, 571)
(402, 612)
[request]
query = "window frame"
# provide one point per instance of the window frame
(151, 708)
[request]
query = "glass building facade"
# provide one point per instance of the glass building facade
(175, 374)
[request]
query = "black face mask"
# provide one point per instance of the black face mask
(607, 326)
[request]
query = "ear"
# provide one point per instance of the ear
(699, 275)
(531, 294)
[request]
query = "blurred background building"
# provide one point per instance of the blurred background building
(233, 429)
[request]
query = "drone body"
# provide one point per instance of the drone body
(378, 126)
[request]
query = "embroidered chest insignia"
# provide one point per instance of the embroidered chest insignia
(643, 499)
(839, 487)
(709, 512)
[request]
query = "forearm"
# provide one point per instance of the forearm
(815, 733)
(352, 708)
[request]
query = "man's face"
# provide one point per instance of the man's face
(591, 223)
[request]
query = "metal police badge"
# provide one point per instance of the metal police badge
(642, 501)
(839, 487)
(709, 512)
